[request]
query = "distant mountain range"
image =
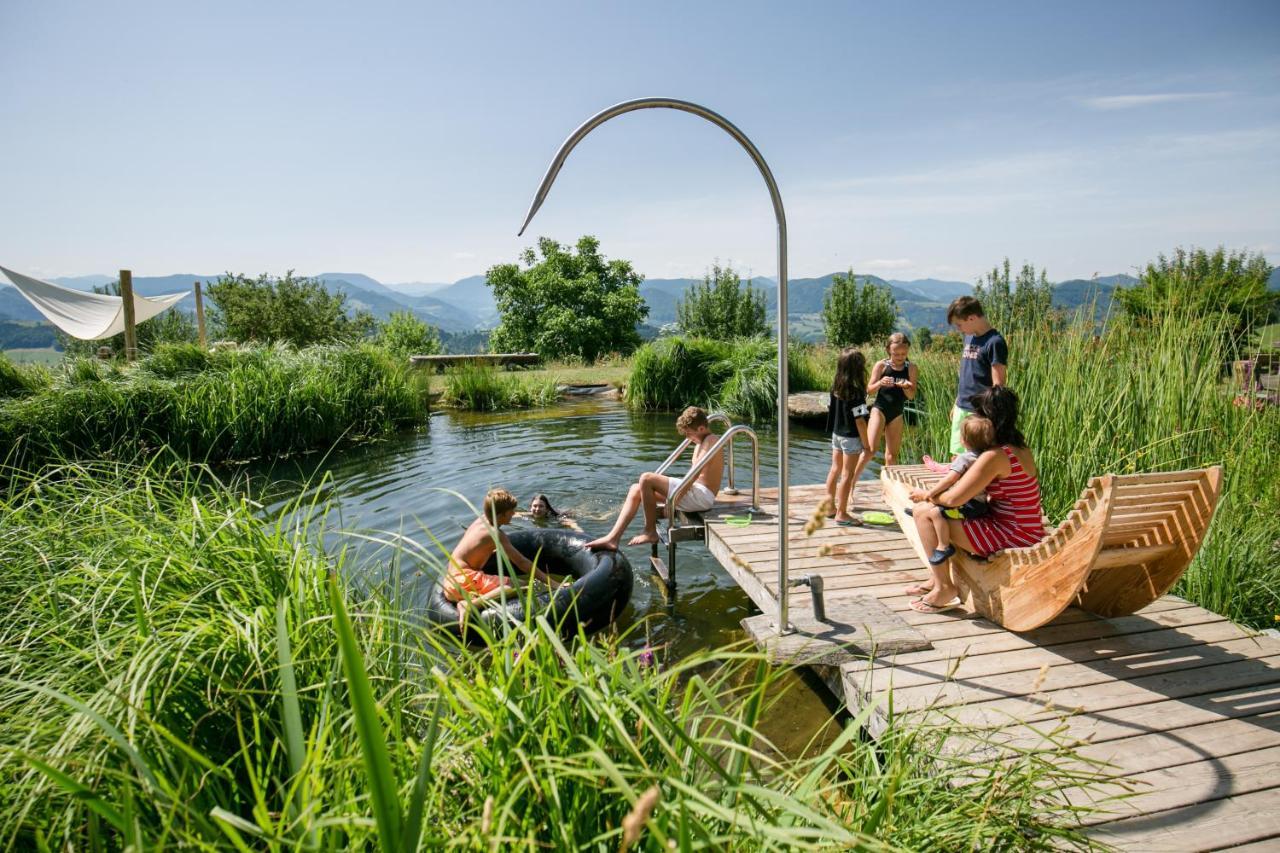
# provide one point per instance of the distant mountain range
(467, 304)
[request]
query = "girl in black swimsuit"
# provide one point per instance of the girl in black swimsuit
(894, 380)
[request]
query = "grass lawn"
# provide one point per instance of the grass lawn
(34, 356)
(1270, 338)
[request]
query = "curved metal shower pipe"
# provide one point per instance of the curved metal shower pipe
(783, 623)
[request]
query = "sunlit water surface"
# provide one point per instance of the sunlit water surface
(583, 455)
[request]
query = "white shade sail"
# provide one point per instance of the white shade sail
(87, 316)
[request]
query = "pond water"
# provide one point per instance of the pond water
(583, 455)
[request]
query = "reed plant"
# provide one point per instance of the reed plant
(230, 405)
(178, 673)
(739, 376)
(481, 388)
(1142, 398)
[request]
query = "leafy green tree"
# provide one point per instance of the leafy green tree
(1196, 283)
(721, 308)
(405, 334)
(1017, 303)
(922, 338)
(174, 326)
(568, 304)
(855, 313)
(292, 309)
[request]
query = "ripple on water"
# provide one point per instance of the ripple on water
(584, 456)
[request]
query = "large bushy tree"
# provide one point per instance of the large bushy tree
(293, 309)
(855, 312)
(721, 308)
(405, 334)
(1021, 302)
(1197, 283)
(568, 304)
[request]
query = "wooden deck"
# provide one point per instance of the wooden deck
(1182, 704)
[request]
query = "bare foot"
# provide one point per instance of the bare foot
(919, 589)
(464, 608)
(602, 544)
(934, 465)
(643, 539)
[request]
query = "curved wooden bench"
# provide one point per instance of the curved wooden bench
(1124, 544)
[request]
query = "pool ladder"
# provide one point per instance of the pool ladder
(690, 526)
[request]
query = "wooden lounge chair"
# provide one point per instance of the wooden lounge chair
(1125, 544)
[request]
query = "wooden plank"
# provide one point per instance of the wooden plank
(1168, 788)
(1214, 825)
(1187, 745)
(1180, 730)
(1074, 676)
(1110, 557)
(1252, 679)
(987, 638)
(1122, 648)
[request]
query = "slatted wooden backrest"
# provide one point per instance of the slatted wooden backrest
(1158, 523)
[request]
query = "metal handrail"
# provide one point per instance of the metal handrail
(689, 479)
(714, 418)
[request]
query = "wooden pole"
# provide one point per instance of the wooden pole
(200, 316)
(130, 333)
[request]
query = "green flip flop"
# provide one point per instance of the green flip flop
(875, 516)
(736, 520)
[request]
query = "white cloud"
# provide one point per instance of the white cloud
(1125, 102)
(464, 256)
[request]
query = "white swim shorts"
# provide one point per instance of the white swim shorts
(698, 499)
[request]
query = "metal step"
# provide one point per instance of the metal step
(660, 568)
(681, 534)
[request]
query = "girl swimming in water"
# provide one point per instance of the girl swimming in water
(541, 511)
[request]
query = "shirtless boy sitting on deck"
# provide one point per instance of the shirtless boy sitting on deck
(692, 424)
(467, 584)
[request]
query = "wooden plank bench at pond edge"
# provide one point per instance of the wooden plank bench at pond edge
(1125, 544)
(502, 359)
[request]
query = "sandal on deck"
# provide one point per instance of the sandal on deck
(922, 606)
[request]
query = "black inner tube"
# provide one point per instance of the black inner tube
(599, 593)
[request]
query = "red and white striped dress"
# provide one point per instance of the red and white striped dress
(1016, 519)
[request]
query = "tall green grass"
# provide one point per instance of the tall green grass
(20, 380)
(177, 673)
(482, 388)
(229, 405)
(1141, 398)
(739, 377)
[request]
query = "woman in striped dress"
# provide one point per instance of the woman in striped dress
(1007, 473)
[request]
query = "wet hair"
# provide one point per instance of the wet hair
(692, 418)
(551, 511)
(963, 307)
(498, 502)
(1000, 405)
(897, 338)
(978, 433)
(851, 375)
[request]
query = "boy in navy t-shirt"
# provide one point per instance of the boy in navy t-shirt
(983, 362)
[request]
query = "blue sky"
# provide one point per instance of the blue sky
(405, 140)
